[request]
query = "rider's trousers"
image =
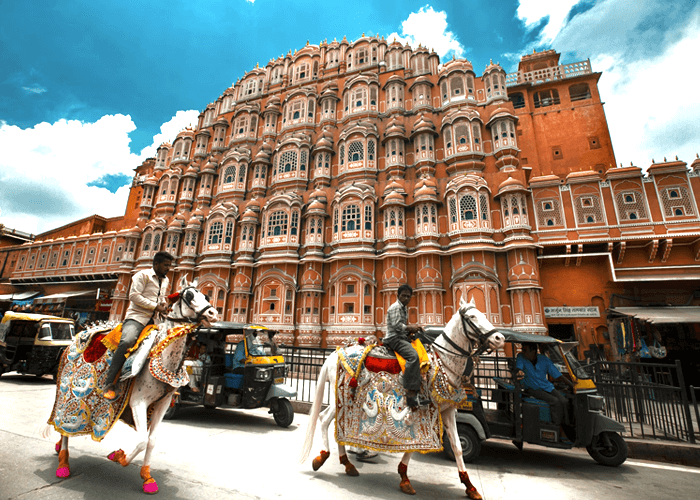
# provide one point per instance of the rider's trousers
(131, 329)
(556, 401)
(411, 374)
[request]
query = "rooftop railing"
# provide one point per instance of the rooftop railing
(545, 75)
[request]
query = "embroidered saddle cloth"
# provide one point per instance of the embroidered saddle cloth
(79, 408)
(371, 407)
(379, 358)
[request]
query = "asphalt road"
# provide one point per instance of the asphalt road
(232, 454)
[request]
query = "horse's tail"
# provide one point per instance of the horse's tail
(46, 431)
(329, 364)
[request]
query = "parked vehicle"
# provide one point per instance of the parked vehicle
(501, 410)
(239, 371)
(33, 343)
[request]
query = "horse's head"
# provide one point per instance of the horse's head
(488, 336)
(192, 305)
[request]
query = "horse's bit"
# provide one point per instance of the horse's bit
(186, 296)
(481, 337)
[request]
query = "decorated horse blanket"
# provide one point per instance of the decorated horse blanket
(79, 407)
(372, 411)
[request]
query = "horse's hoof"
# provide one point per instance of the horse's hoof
(473, 494)
(118, 456)
(320, 460)
(351, 470)
(62, 472)
(407, 488)
(150, 487)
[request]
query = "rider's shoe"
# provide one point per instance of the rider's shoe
(366, 455)
(110, 394)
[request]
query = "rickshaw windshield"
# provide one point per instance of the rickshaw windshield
(60, 331)
(554, 351)
(257, 348)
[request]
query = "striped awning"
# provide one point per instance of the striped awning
(19, 296)
(661, 315)
(57, 298)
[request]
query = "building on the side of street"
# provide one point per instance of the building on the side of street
(317, 184)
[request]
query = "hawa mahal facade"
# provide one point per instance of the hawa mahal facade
(316, 185)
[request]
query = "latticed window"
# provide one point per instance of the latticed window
(156, 242)
(229, 232)
(164, 189)
(676, 201)
(228, 175)
(294, 229)
(335, 220)
(304, 156)
(312, 226)
(359, 97)
(342, 154)
(277, 223)
(311, 108)
(373, 96)
(462, 134)
(368, 217)
(484, 207)
(467, 207)
(355, 151)
(630, 205)
(588, 209)
(288, 161)
(477, 133)
(370, 150)
(241, 173)
(215, 232)
(350, 220)
(448, 138)
(453, 211)
(457, 86)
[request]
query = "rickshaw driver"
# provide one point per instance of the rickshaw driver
(533, 369)
(398, 339)
(147, 298)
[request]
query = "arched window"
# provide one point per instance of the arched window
(215, 231)
(229, 232)
(355, 152)
(350, 218)
(241, 173)
(457, 86)
(295, 223)
(147, 242)
(368, 217)
(467, 207)
(229, 174)
(156, 242)
(277, 223)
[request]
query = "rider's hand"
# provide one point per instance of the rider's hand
(161, 308)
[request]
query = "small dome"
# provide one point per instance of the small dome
(509, 185)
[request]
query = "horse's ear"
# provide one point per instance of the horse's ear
(472, 301)
(195, 282)
(462, 303)
(183, 281)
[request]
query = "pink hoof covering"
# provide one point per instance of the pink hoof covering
(150, 488)
(62, 472)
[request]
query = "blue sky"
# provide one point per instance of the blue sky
(88, 89)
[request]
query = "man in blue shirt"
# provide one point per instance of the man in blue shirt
(532, 370)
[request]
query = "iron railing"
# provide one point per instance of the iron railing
(304, 367)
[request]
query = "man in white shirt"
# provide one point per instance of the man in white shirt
(147, 299)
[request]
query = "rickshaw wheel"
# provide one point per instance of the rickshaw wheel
(611, 456)
(468, 438)
(284, 416)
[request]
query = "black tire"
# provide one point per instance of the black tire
(611, 456)
(284, 416)
(172, 411)
(469, 439)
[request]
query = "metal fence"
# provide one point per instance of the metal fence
(304, 367)
(650, 399)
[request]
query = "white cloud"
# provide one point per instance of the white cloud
(45, 170)
(648, 70)
(555, 12)
(429, 28)
(35, 90)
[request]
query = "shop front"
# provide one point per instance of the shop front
(84, 306)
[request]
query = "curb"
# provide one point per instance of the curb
(664, 451)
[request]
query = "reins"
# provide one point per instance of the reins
(481, 337)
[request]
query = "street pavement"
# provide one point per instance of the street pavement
(236, 454)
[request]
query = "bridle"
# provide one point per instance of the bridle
(481, 337)
(184, 296)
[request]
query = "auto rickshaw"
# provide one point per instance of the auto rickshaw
(239, 371)
(500, 409)
(33, 343)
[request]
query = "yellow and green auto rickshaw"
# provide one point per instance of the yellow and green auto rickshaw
(233, 367)
(33, 343)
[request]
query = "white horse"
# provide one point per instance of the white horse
(190, 308)
(467, 334)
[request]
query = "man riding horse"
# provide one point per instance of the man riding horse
(147, 299)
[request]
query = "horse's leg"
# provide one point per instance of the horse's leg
(138, 411)
(149, 484)
(403, 472)
(449, 419)
(63, 466)
(326, 417)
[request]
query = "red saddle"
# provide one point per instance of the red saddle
(96, 349)
(389, 365)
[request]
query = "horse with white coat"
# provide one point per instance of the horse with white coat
(153, 387)
(467, 334)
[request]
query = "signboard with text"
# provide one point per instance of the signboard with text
(572, 312)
